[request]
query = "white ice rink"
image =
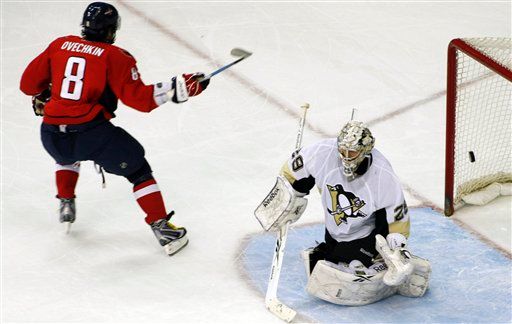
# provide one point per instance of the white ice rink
(217, 156)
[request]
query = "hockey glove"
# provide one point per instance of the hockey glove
(39, 101)
(396, 257)
(195, 83)
(180, 89)
(282, 205)
(175, 91)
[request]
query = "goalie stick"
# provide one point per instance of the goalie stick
(271, 302)
(237, 52)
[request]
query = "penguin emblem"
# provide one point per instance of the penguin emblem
(344, 204)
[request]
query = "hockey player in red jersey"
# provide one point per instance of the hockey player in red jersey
(75, 84)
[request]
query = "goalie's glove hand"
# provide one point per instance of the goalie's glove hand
(396, 256)
(195, 83)
(39, 101)
(397, 241)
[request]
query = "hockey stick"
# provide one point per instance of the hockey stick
(237, 52)
(273, 304)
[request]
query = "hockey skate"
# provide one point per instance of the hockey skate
(171, 237)
(67, 212)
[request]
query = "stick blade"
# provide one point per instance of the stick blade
(280, 310)
(240, 52)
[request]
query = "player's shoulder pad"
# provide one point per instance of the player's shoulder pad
(380, 160)
(122, 52)
(57, 42)
(382, 165)
(69, 38)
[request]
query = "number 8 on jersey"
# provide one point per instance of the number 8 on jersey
(73, 75)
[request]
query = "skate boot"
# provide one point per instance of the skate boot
(67, 212)
(171, 237)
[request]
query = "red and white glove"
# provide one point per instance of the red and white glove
(180, 88)
(195, 83)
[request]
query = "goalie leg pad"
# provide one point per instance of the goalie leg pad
(312, 255)
(416, 285)
(342, 288)
(306, 257)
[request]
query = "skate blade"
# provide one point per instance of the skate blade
(176, 245)
(68, 227)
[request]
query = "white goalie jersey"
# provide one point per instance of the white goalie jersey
(350, 207)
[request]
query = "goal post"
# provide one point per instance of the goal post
(478, 118)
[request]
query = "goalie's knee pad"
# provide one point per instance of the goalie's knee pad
(306, 257)
(417, 283)
(312, 255)
(342, 288)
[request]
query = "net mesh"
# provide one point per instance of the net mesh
(483, 118)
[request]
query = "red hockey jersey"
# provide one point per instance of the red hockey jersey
(86, 79)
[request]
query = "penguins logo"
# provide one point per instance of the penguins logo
(344, 204)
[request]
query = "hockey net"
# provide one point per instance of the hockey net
(478, 122)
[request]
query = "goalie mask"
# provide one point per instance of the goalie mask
(355, 142)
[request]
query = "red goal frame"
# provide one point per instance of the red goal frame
(451, 100)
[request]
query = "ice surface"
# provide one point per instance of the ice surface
(216, 156)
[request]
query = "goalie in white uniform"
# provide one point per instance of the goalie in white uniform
(364, 256)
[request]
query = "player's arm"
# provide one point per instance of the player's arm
(35, 81)
(125, 81)
(410, 273)
(393, 202)
(392, 248)
(296, 173)
(37, 76)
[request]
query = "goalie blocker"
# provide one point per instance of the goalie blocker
(282, 205)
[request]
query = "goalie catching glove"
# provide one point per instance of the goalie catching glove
(180, 88)
(282, 205)
(397, 258)
(410, 273)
